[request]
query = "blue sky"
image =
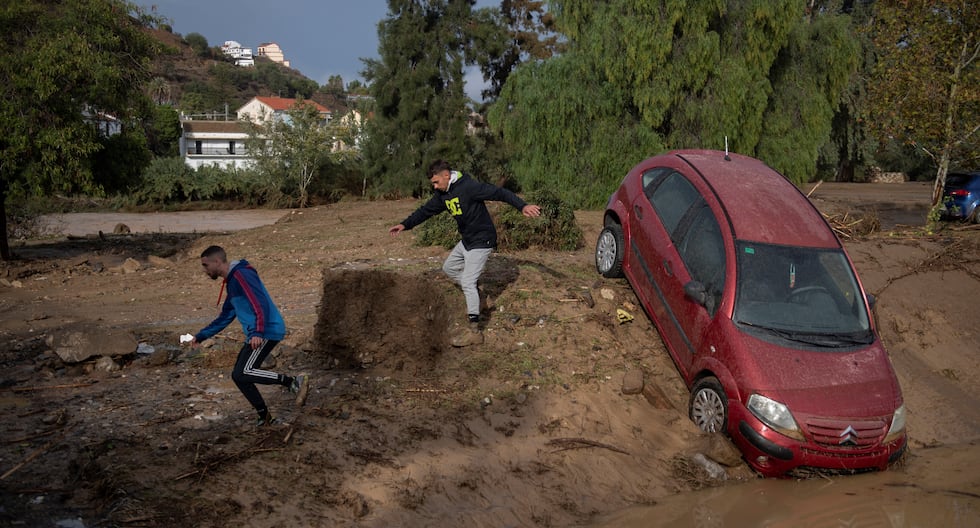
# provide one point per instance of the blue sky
(320, 38)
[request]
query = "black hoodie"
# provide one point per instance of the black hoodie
(465, 201)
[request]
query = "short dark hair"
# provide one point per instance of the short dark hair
(215, 251)
(438, 166)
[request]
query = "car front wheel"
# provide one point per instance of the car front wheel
(609, 251)
(709, 405)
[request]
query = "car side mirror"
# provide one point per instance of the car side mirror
(871, 300)
(695, 291)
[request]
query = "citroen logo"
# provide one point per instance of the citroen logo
(848, 436)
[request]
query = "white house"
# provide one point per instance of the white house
(265, 109)
(214, 143)
(273, 52)
(241, 54)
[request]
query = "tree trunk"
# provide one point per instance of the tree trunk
(4, 244)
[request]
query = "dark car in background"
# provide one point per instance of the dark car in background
(761, 310)
(961, 196)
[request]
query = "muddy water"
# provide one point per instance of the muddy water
(82, 224)
(936, 487)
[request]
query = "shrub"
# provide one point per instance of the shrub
(554, 229)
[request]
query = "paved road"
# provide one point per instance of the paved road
(81, 224)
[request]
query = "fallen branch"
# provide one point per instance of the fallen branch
(36, 453)
(564, 444)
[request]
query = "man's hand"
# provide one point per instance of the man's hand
(394, 230)
(255, 342)
(531, 211)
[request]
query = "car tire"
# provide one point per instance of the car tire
(709, 406)
(609, 251)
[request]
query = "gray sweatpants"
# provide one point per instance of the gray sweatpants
(465, 267)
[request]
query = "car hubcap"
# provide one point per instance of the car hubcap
(708, 411)
(606, 251)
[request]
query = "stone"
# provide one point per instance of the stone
(607, 294)
(78, 342)
(106, 364)
(721, 449)
(131, 266)
(121, 229)
(159, 262)
(656, 397)
(633, 382)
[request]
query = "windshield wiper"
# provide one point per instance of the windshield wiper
(816, 338)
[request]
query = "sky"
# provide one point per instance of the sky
(320, 38)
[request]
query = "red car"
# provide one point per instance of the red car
(760, 308)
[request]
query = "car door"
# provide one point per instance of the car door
(667, 198)
(701, 248)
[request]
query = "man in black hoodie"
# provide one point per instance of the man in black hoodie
(465, 199)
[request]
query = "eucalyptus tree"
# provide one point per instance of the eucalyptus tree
(642, 76)
(63, 63)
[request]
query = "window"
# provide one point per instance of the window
(231, 147)
(702, 249)
(197, 147)
(671, 197)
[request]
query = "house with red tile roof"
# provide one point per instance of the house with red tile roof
(265, 109)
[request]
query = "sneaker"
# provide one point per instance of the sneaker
(300, 387)
(267, 420)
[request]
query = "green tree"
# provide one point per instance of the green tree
(519, 31)
(198, 43)
(924, 88)
(420, 108)
(293, 149)
(649, 75)
(162, 129)
(63, 61)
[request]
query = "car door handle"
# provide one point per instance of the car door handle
(638, 211)
(668, 268)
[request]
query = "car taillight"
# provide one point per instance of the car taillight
(960, 192)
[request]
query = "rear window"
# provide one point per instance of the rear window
(960, 180)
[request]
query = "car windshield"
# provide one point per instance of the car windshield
(802, 295)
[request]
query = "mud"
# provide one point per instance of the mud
(529, 429)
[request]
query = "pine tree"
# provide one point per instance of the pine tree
(420, 110)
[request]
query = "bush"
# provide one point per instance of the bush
(555, 229)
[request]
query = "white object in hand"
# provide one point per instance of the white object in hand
(186, 338)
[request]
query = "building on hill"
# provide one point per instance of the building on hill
(273, 52)
(264, 109)
(241, 54)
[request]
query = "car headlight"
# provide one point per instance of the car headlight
(898, 425)
(775, 415)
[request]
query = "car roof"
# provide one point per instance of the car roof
(761, 204)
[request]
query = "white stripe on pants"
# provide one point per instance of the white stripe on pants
(465, 267)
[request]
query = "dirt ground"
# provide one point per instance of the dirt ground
(529, 429)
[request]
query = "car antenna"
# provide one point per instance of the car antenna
(727, 157)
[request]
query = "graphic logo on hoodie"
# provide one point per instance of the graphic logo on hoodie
(453, 206)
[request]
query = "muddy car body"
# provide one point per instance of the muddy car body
(760, 308)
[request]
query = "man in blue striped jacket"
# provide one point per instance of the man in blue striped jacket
(249, 301)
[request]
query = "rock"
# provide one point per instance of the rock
(131, 266)
(607, 294)
(17, 284)
(712, 468)
(106, 364)
(633, 382)
(76, 343)
(159, 262)
(121, 229)
(5, 282)
(158, 358)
